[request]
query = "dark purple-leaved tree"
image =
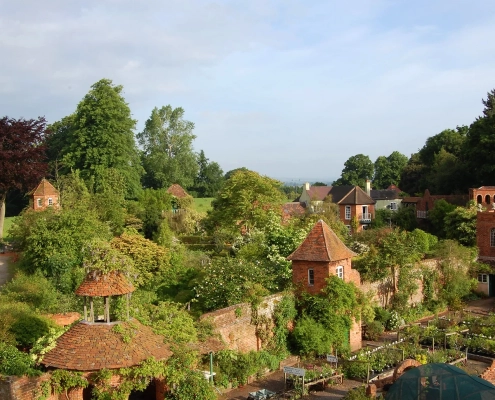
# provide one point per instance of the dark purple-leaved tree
(22, 156)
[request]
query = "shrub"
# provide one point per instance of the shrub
(15, 362)
(373, 330)
(311, 337)
(29, 328)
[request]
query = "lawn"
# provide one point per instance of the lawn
(6, 226)
(203, 205)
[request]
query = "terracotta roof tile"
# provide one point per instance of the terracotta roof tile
(321, 244)
(44, 188)
(293, 208)
(319, 192)
(90, 347)
(177, 191)
(112, 284)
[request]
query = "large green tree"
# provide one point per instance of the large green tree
(388, 170)
(210, 177)
(357, 169)
(22, 157)
(99, 135)
(245, 201)
(168, 155)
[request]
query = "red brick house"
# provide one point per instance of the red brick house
(484, 195)
(354, 203)
(485, 240)
(319, 256)
(44, 195)
(426, 203)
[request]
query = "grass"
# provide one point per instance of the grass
(203, 205)
(6, 227)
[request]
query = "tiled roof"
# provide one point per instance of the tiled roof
(293, 208)
(321, 244)
(111, 284)
(356, 196)
(486, 188)
(319, 192)
(177, 191)
(90, 347)
(339, 192)
(410, 199)
(44, 188)
(384, 194)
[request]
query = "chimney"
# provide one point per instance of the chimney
(306, 186)
(368, 187)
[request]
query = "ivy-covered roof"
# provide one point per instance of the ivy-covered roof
(321, 244)
(113, 283)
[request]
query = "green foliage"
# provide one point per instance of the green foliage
(28, 328)
(152, 205)
(284, 314)
(425, 242)
(171, 321)
(357, 169)
(100, 136)
(311, 338)
(150, 261)
(229, 281)
(405, 218)
(210, 177)
(437, 217)
(15, 362)
(62, 381)
(244, 201)
(460, 224)
(193, 386)
(168, 155)
(100, 257)
(388, 170)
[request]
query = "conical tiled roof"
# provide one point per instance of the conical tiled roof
(97, 284)
(94, 346)
(321, 244)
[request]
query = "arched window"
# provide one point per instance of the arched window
(487, 199)
(479, 199)
(492, 237)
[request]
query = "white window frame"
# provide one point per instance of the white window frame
(347, 214)
(50, 201)
(483, 278)
(393, 206)
(311, 277)
(340, 272)
(39, 202)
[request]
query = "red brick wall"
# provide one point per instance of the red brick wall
(483, 192)
(485, 222)
(23, 388)
(236, 330)
(44, 202)
(356, 210)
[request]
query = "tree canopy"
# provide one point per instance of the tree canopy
(388, 170)
(168, 155)
(99, 135)
(357, 169)
(22, 156)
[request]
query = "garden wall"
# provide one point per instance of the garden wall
(21, 388)
(382, 290)
(234, 323)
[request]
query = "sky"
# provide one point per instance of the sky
(290, 89)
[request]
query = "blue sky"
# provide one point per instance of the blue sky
(290, 89)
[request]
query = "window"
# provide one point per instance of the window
(311, 277)
(492, 237)
(340, 272)
(483, 278)
(393, 206)
(40, 203)
(50, 201)
(347, 212)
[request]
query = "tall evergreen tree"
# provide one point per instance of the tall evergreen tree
(99, 135)
(168, 155)
(210, 177)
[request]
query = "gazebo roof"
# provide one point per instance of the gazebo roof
(44, 188)
(94, 346)
(113, 283)
(321, 244)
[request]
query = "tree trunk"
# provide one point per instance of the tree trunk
(2, 213)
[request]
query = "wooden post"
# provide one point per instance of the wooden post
(92, 311)
(107, 308)
(85, 308)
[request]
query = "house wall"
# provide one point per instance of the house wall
(485, 222)
(484, 195)
(356, 211)
(44, 202)
(385, 204)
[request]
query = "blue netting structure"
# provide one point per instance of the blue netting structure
(440, 381)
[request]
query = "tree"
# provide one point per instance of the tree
(437, 217)
(244, 201)
(22, 157)
(412, 179)
(489, 104)
(99, 136)
(460, 224)
(357, 169)
(168, 156)
(210, 177)
(388, 170)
